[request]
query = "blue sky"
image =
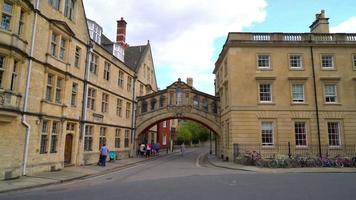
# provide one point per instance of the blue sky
(187, 35)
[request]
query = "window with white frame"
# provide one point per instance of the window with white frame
(298, 92)
(91, 98)
(164, 124)
(102, 137)
(49, 88)
(105, 103)
(267, 133)
(265, 92)
(77, 57)
(119, 107)
(121, 79)
(44, 136)
(54, 3)
(129, 83)
(73, 101)
(117, 138)
(300, 132)
(264, 61)
(59, 85)
(69, 9)
(94, 63)
(334, 133)
(2, 70)
(88, 138)
(295, 61)
(7, 9)
(330, 93)
(127, 139)
(128, 109)
(106, 71)
(14, 76)
(327, 61)
(54, 136)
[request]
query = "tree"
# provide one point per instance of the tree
(192, 132)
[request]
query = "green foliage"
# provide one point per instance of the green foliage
(191, 132)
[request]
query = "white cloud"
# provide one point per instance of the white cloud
(348, 26)
(181, 32)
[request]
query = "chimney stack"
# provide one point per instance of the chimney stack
(121, 32)
(190, 81)
(321, 23)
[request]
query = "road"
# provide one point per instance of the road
(191, 177)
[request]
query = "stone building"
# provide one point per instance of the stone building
(65, 88)
(299, 88)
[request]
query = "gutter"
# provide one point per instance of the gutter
(316, 101)
(133, 120)
(27, 90)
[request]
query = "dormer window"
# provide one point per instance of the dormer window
(69, 9)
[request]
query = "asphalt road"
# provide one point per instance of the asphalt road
(190, 177)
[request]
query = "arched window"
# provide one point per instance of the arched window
(153, 103)
(161, 101)
(196, 101)
(144, 107)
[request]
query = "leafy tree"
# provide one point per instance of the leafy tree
(192, 132)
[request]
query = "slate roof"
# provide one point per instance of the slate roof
(134, 55)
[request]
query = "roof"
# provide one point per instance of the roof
(134, 55)
(107, 43)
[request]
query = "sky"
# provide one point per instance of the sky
(186, 36)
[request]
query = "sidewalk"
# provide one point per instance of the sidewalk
(68, 174)
(213, 160)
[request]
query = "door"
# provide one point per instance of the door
(68, 149)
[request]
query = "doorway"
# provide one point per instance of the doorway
(68, 149)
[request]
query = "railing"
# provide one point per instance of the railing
(293, 150)
(9, 100)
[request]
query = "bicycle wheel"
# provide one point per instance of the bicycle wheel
(273, 164)
(310, 162)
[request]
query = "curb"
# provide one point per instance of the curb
(225, 167)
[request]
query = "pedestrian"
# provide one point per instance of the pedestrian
(148, 150)
(104, 151)
(157, 148)
(142, 149)
(182, 148)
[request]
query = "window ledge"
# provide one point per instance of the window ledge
(267, 103)
(296, 69)
(299, 103)
(332, 104)
(53, 103)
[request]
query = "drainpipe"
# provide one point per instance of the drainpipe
(316, 101)
(85, 97)
(133, 120)
(27, 90)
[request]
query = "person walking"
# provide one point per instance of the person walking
(104, 151)
(182, 148)
(148, 150)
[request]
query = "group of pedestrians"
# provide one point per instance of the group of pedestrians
(147, 150)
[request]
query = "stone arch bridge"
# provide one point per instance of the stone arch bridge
(179, 100)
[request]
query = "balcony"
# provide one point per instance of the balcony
(10, 100)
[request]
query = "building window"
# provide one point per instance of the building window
(164, 124)
(62, 49)
(267, 133)
(265, 92)
(117, 138)
(354, 61)
(263, 61)
(2, 69)
(127, 140)
(91, 98)
(128, 110)
(20, 30)
(330, 93)
(54, 137)
(204, 105)
(73, 101)
(14, 77)
(70, 127)
(164, 139)
(6, 16)
(121, 79)
(106, 71)
(300, 134)
(153, 103)
(44, 136)
(144, 107)
(88, 138)
(119, 107)
(161, 101)
(327, 61)
(59, 90)
(334, 133)
(49, 88)
(69, 8)
(105, 103)
(298, 93)
(225, 68)
(129, 83)
(295, 62)
(94, 63)
(77, 57)
(53, 49)
(141, 90)
(196, 102)
(102, 137)
(54, 3)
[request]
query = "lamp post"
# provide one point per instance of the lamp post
(211, 144)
